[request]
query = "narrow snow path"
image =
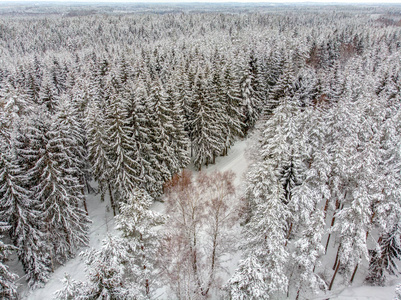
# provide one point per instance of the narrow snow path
(361, 293)
(235, 161)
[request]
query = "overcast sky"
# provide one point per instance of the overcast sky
(213, 1)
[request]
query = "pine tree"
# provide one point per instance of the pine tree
(308, 249)
(398, 292)
(384, 259)
(361, 180)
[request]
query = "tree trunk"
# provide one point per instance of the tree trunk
(353, 274)
(288, 234)
(326, 207)
(334, 276)
(212, 267)
(85, 206)
(111, 199)
(147, 287)
(195, 263)
(327, 243)
(297, 295)
(338, 252)
(83, 194)
(333, 220)
(88, 187)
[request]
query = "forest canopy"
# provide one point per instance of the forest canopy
(129, 98)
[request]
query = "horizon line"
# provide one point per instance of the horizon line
(315, 2)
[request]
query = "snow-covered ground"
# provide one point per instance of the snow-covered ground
(102, 223)
(367, 293)
(102, 217)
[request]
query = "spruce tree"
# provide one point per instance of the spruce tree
(126, 167)
(58, 190)
(179, 137)
(8, 287)
(20, 210)
(206, 126)
(252, 98)
(98, 149)
(124, 267)
(232, 106)
(161, 128)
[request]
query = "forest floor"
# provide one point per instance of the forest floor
(101, 215)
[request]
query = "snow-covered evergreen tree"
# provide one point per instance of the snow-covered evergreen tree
(126, 169)
(137, 223)
(8, 287)
(48, 94)
(179, 137)
(305, 258)
(252, 97)
(248, 281)
(398, 292)
(383, 260)
(266, 231)
(72, 289)
(109, 271)
(57, 189)
(206, 126)
(161, 128)
(20, 211)
(125, 267)
(98, 149)
(232, 106)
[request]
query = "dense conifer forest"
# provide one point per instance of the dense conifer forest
(129, 103)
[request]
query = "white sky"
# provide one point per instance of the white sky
(213, 1)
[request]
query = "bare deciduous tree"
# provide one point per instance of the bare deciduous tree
(202, 211)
